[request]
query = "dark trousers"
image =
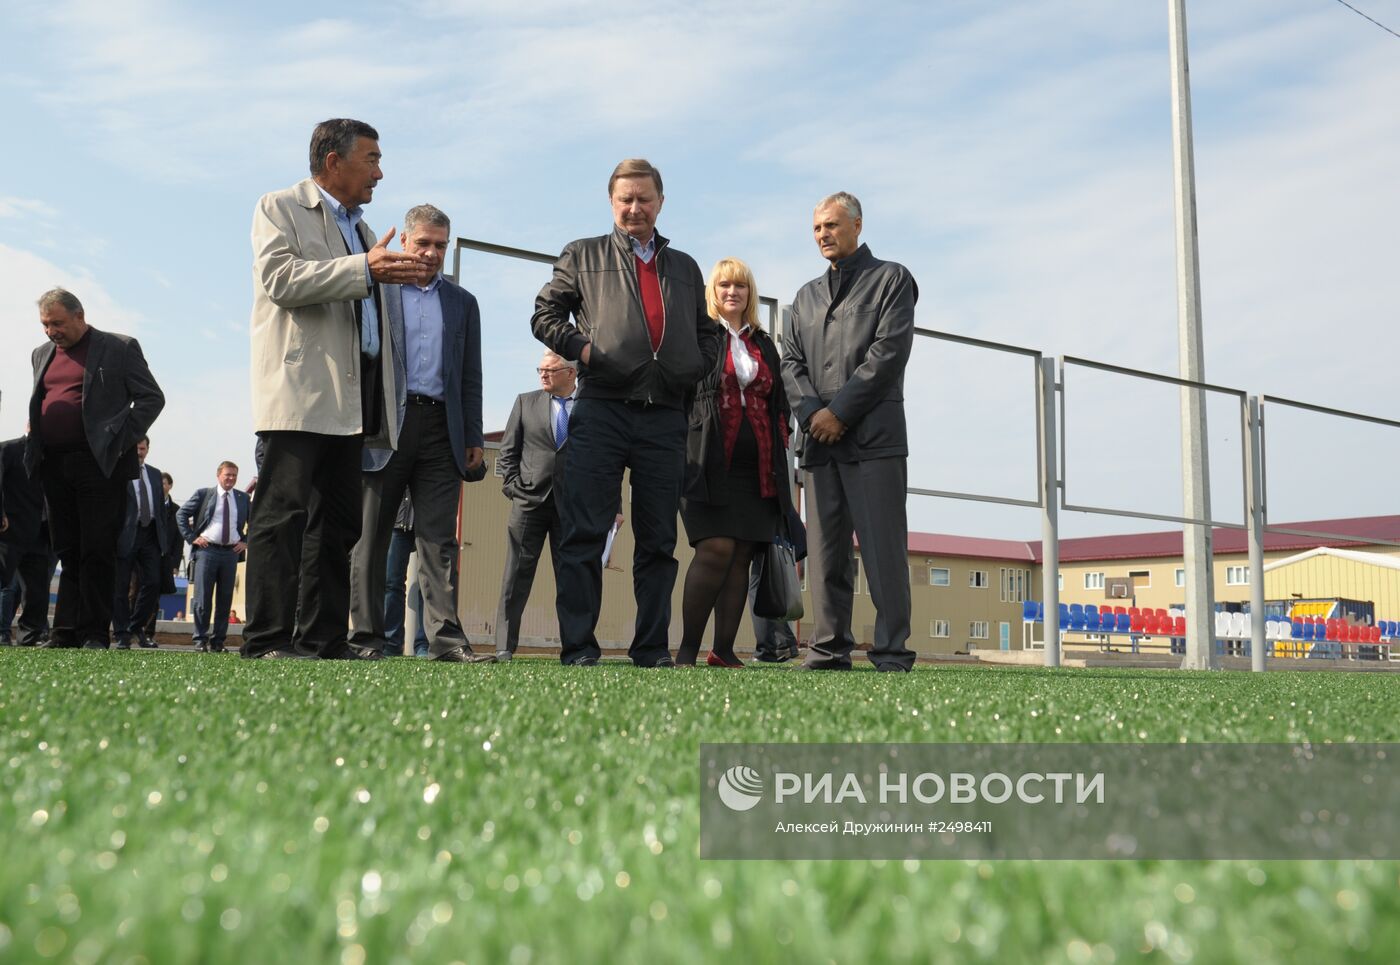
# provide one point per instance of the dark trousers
(26, 572)
(395, 587)
(526, 532)
(129, 618)
(308, 499)
(606, 437)
(422, 464)
(869, 498)
(85, 518)
(215, 568)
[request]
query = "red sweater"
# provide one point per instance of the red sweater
(651, 300)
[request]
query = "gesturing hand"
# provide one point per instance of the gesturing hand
(394, 267)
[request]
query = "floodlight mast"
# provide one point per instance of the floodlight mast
(1195, 469)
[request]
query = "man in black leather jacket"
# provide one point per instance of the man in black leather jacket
(631, 310)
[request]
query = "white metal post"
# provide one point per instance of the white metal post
(1049, 513)
(1196, 538)
(1254, 481)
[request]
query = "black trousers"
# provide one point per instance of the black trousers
(606, 437)
(304, 522)
(85, 518)
(35, 565)
(128, 618)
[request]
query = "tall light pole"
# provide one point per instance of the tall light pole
(1195, 469)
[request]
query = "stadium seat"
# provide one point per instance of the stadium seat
(1296, 633)
(1135, 621)
(1334, 632)
(1375, 634)
(1076, 616)
(1064, 616)
(1179, 627)
(1309, 632)
(1134, 611)
(1091, 619)
(1119, 610)
(1125, 622)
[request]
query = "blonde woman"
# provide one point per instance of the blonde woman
(737, 485)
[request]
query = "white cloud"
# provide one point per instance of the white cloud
(25, 208)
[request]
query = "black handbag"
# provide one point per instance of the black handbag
(779, 594)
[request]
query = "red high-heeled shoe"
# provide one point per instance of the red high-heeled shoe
(715, 660)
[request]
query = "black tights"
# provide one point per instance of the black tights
(718, 581)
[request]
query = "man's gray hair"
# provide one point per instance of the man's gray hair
(846, 200)
(425, 214)
(566, 363)
(60, 296)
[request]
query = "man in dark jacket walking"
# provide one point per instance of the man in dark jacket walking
(843, 364)
(640, 329)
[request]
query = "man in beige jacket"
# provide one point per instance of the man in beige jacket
(322, 382)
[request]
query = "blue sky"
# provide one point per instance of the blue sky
(1015, 156)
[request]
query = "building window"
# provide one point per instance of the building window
(1060, 582)
(855, 579)
(1236, 576)
(1093, 581)
(938, 628)
(979, 630)
(978, 579)
(1014, 584)
(940, 576)
(1142, 579)
(498, 470)
(802, 571)
(1181, 576)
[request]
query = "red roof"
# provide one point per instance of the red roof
(1364, 530)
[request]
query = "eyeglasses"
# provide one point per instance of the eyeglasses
(557, 368)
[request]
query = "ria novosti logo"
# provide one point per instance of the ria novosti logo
(740, 788)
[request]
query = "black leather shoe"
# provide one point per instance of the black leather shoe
(663, 662)
(96, 645)
(463, 655)
(121, 645)
(201, 647)
(146, 643)
(52, 644)
(283, 655)
(891, 668)
(215, 648)
(584, 662)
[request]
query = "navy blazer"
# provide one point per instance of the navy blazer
(120, 401)
(126, 542)
(194, 516)
(461, 372)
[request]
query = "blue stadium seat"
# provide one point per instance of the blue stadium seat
(1076, 616)
(1296, 633)
(1064, 616)
(1091, 619)
(1125, 622)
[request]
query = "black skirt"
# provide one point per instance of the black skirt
(745, 515)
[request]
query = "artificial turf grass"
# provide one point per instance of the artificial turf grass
(167, 805)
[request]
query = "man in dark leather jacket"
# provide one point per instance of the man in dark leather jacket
(843, 364)
(631, 310)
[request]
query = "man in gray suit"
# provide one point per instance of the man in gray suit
(531, 464)
(93, 398)
(435, 336)
(843, 366)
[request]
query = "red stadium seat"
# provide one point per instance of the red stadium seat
(1135, 620)
(1179, 627)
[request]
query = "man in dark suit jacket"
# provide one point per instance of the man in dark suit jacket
(24, 543)
(435, 335)
(531, 464)
(139, 550)
(214, 521)
(844, 355)
(93, 398)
